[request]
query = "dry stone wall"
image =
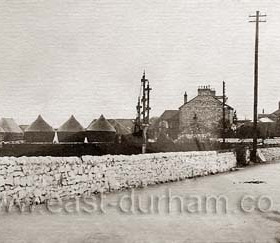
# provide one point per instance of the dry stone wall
(270, 154)
(36, 179)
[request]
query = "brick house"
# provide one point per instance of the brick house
(203, 114)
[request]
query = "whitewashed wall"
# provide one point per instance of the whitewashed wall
(35, 179)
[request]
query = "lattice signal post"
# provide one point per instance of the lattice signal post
(143, 108)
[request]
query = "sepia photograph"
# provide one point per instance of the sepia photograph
(137, 121)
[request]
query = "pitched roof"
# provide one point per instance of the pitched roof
(265, 119)
(9, 125)
(214, 97)
(39, 125)
(23, 127)
(71, 125)
(120, 129)
(276, 113)
(272, 116)
(168, 114)
(222, 103)
(128, 123)
(101, 125)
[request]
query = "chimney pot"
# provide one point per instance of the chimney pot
(185, 98)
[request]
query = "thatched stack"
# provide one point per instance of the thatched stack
(100, 131)
(71, 131)
(11, 129)
(39, 131)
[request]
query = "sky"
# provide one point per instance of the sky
(86, 57)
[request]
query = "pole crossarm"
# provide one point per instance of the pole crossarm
(254, 21)
(260, 15)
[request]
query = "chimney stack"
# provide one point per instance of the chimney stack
(186, 98)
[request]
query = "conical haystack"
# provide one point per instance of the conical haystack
(71, 131)
(39, 131)
(100, 131)
(11, 129)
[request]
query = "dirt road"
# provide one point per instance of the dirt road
(247, 209)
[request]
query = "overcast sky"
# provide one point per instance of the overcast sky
(86, 57)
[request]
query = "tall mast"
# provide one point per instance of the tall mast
(256, 80)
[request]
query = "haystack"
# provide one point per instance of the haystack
(11, 129)
(39, 131)
(71, 131)
(100, 131)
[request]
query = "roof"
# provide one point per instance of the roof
(23, 127)
(265, 119)
(127, 123)
(214, 97)
(276, 113)
(71, 125)
(222, 103)
(9, 125)
(101, 125)
(169, 114)
(120, 129)
(272, 116)
(39, 125)
(263, 115)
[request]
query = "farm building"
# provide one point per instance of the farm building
(71, 131)
(39, 131)
(100, 131)
(121, 131)
(12, 131)
(127, 123)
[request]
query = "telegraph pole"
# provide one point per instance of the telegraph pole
(224, 113)
(257, 20)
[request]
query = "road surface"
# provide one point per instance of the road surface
(247, 209)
